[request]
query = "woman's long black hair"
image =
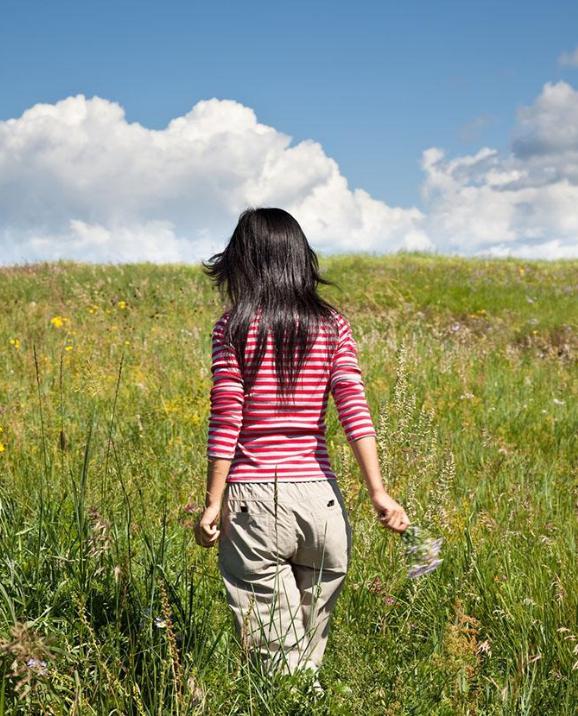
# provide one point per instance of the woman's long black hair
(269, 266)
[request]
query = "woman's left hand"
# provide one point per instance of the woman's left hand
(206, 529)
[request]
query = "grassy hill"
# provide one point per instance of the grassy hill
(106, 602)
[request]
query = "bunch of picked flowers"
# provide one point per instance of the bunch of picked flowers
(420, 550)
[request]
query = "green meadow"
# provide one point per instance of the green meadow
(107, 604)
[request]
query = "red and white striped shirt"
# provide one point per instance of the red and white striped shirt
(262, 439)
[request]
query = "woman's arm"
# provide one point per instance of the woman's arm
(348, 392)
(365, 451)
(206, 530)
(390, 513)
(217, 471)
(225, 420)
(227, 398)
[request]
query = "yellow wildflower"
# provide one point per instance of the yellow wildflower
(67, 348)
(15, 342)
(2, 447)
(171, 406)
(122, 304)
(58, 321)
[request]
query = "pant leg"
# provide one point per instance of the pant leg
(319, 599)
(320, 565)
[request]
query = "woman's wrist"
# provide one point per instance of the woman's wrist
(376, 489)
(212, 501)
(217, 471)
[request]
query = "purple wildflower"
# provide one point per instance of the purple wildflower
(36, 665)
(418, 569)
(420, 551)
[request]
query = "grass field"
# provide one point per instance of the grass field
(108, 606)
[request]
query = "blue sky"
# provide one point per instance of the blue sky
(375, 84)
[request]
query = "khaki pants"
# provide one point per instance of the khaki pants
(284, 559)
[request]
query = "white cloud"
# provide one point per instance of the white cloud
(524, 203)
(79, 181)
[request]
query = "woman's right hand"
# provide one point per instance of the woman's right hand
(207, 531)
(389, 512)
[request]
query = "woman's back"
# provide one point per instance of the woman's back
(265, 440)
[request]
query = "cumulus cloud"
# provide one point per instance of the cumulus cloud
(77, 180)
(524, 203)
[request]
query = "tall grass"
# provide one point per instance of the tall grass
(107, 605)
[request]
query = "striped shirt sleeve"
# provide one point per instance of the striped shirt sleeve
(347, 386)
(227, 398)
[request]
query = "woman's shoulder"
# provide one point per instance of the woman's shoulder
(220, 323)
(336, 313)
(340, 319)
(224, 316)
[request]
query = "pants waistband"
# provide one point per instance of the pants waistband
(292, 489)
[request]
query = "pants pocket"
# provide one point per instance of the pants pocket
(245, 541)
(334, 534)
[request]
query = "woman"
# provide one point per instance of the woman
(277, 352)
